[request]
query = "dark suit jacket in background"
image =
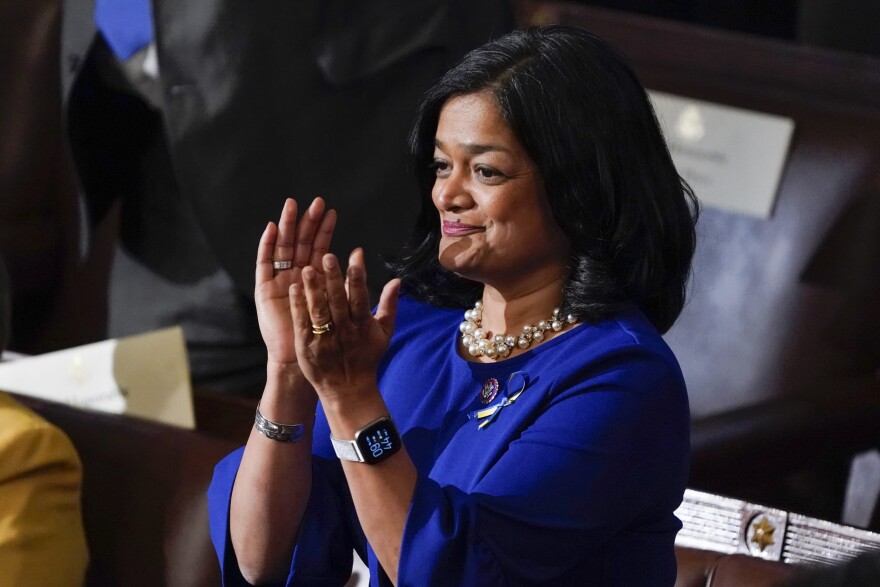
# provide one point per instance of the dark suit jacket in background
(270, 99)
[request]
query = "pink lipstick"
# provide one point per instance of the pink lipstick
(459, 229)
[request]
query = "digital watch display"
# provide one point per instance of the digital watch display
(372, 444)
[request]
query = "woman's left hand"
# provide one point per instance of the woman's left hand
(341, 363)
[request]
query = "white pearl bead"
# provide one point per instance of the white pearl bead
(500, 345)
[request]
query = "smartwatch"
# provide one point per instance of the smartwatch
(372, 444)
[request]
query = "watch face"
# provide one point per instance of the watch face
(378, 440)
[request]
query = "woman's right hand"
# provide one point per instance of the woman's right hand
(274, 480)
(303, 243)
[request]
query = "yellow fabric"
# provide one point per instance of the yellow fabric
(41, 532)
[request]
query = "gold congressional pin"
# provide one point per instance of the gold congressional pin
(489, 390)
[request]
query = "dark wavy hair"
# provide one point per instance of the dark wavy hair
(585, 120)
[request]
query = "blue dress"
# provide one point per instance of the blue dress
(574, 483)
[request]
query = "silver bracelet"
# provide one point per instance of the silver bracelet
(276, 431)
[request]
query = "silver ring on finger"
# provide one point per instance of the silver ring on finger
(280, 265)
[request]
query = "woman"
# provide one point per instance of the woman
(535, 446)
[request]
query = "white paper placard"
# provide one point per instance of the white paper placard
(145, 376)
(732, 158)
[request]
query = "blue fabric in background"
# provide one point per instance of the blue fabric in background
(127, 25)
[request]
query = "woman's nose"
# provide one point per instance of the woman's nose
(452, 192)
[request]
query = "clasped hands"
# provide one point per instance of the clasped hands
(293, 304)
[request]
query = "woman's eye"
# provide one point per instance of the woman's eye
(487, 172)
(439, 167)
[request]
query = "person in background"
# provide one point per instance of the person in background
(200, 118)
(42, 543)
(540, 439)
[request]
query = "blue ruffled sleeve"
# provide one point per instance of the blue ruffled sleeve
(328, 532)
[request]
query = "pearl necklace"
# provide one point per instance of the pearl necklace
(473, 337)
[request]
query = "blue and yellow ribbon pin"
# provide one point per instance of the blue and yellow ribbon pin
(517, 380)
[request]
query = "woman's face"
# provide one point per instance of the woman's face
(496, 223)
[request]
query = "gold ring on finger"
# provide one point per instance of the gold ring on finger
(320, 329)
